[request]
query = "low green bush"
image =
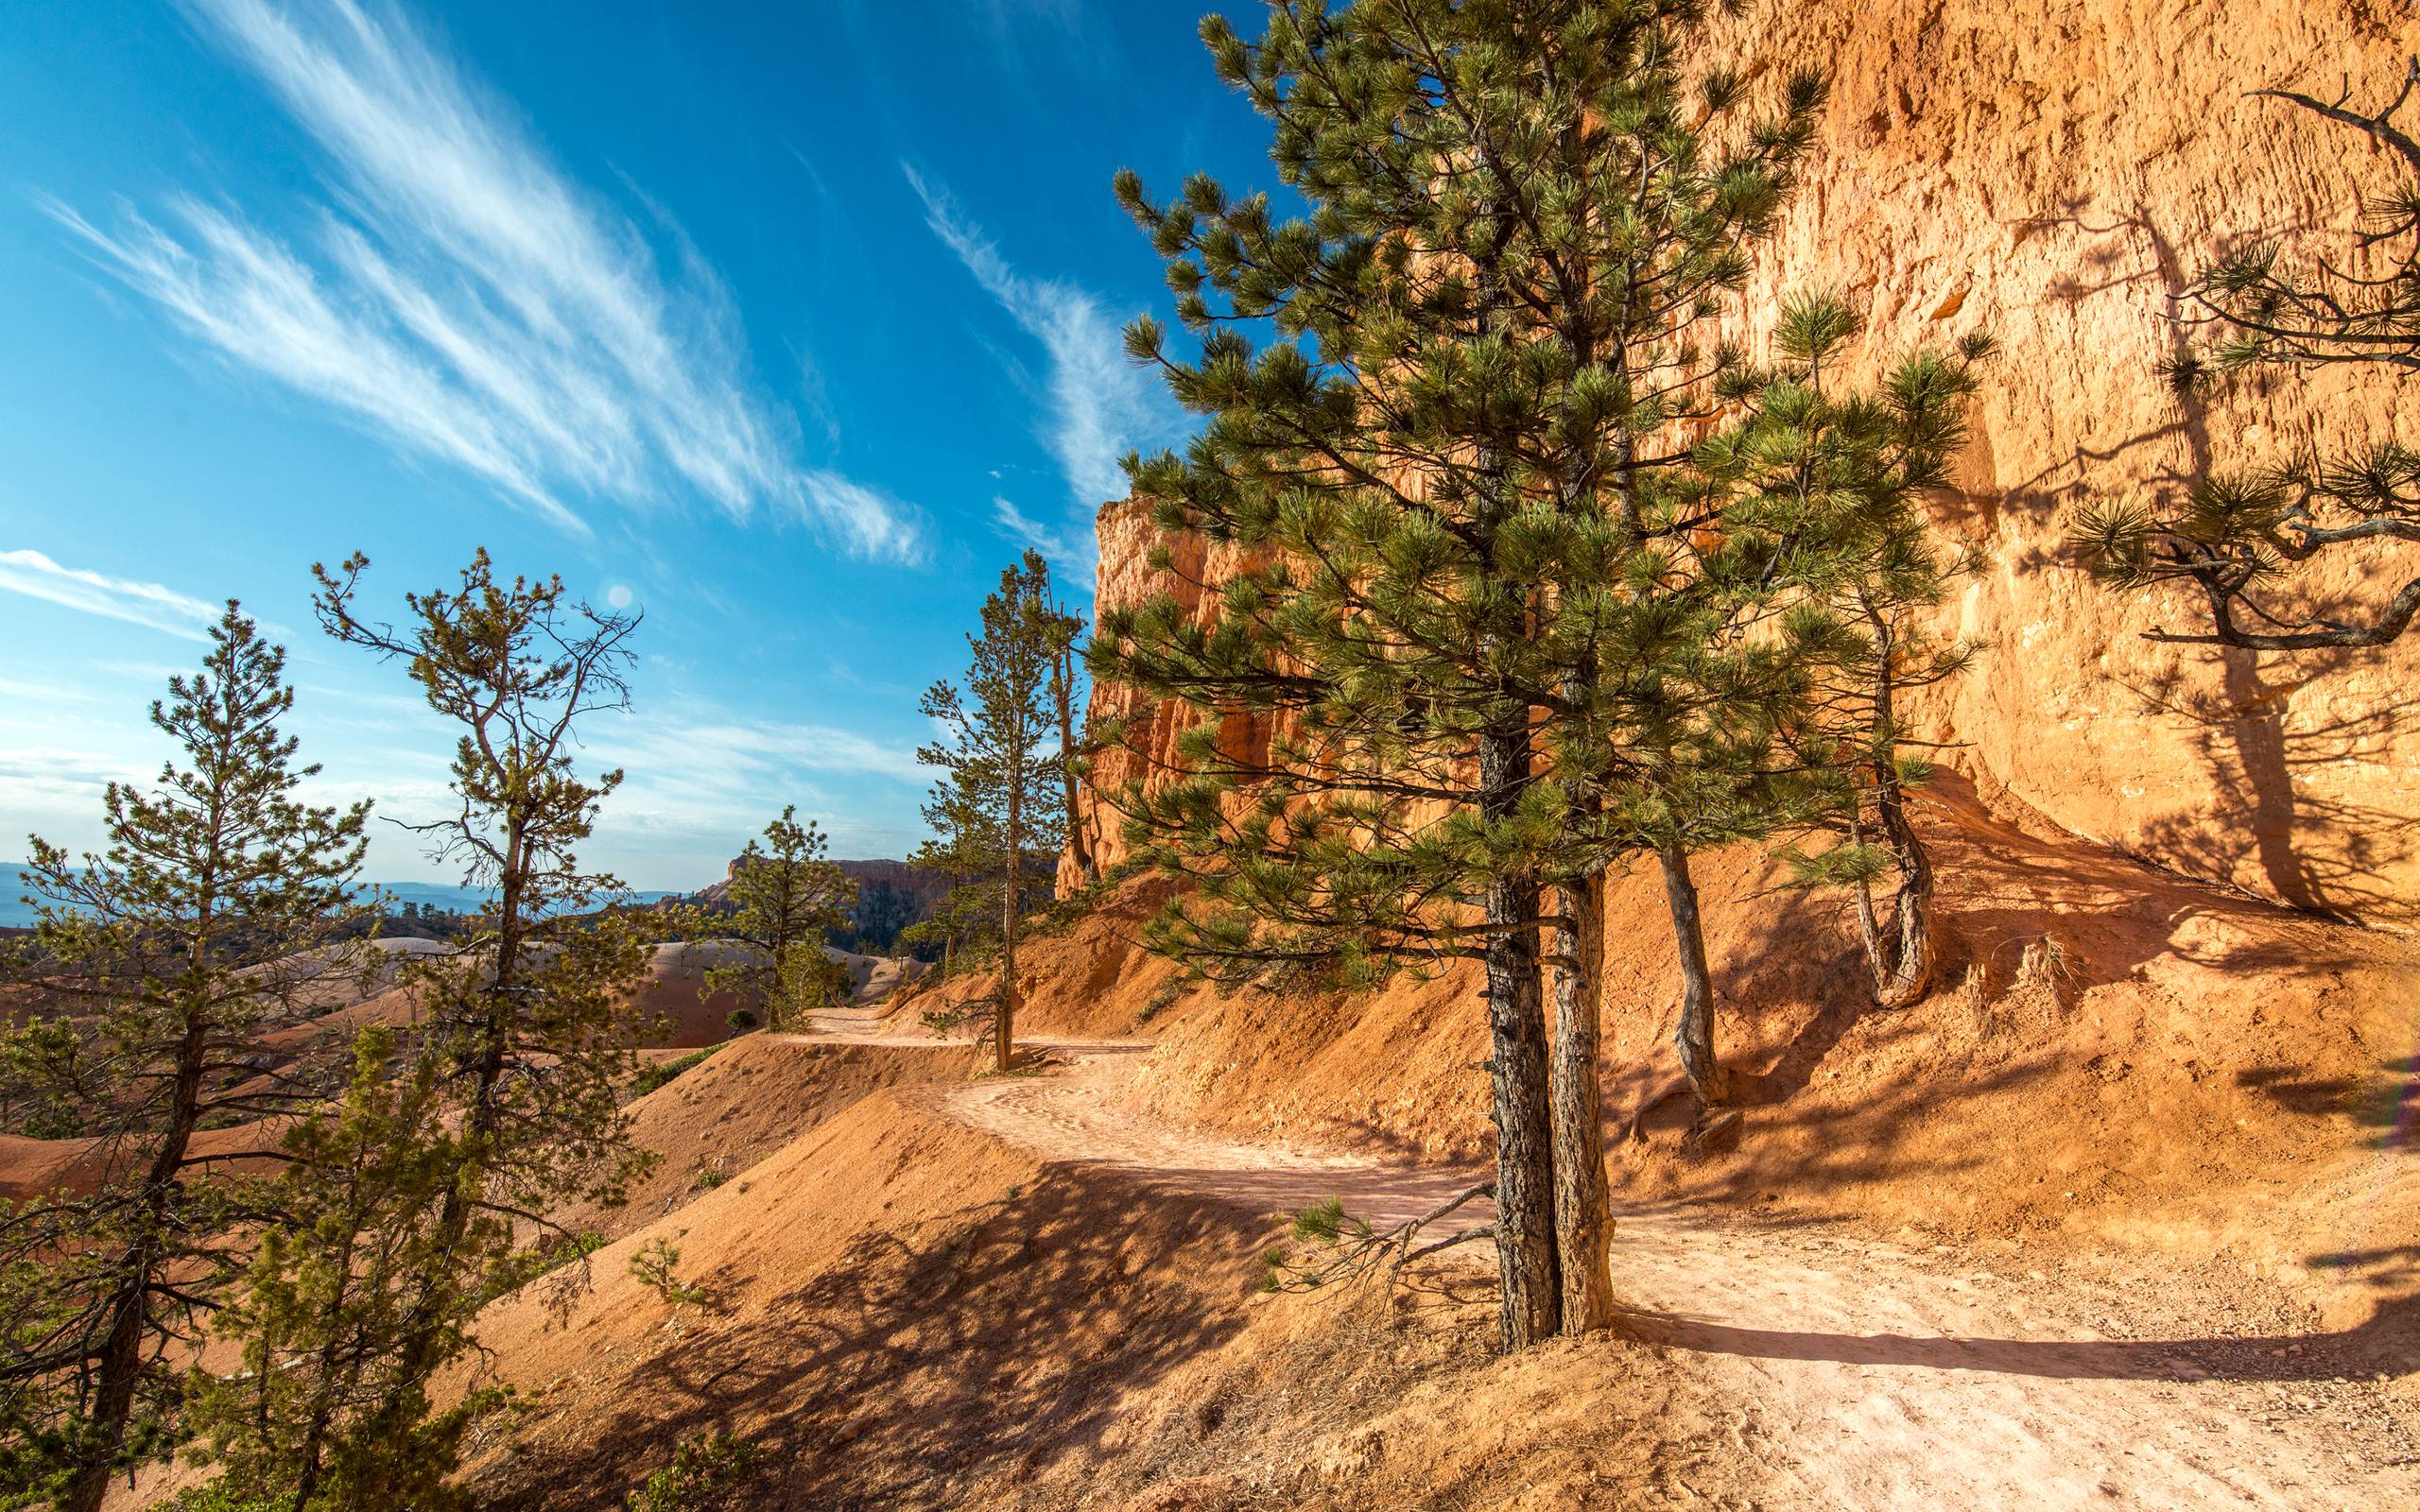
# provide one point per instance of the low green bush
(701, 1478)
(656, 1073)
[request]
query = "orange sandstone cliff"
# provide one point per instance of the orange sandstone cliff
(2053, 173)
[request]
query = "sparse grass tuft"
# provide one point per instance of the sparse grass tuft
(1162, 999)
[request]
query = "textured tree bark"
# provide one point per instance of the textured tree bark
(1694, 1035)
(1524, 1242)
(1004, 1003)
(1903, 967)
(1079, 844)
(1584, 1224)
(120, 1368)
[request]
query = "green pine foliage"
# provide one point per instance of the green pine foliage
(211, 920)
(1438, 415)
(1001, 802)
(965, 851)
(330, 1318)
(704, 1473)
(425, 1193)
(656, 1266)
(1829, 485)
(786, 896)
(1446, 460)
(654, 1074)
(2242, 535)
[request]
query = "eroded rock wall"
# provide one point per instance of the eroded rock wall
(2053, 171)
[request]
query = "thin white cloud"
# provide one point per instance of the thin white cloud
(702, 779)
(44, 693)
(1101, 405)
(142, 671)
(709, 752)
(465, 299)
(1018, 526)
(36, 576)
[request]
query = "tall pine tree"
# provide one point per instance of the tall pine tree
(1001, 758)
(1846, 472)
(964, 851)
(1484, 334)
(507, 1100)
(212, 920)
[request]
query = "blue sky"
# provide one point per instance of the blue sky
(789, 324)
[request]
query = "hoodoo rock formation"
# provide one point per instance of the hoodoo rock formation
(2053, 172)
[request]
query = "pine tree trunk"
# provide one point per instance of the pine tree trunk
(120, 1366)
(113, 1398)
(1584, 1225)
(1079, 844)
(1902, 970)
(1694, 1035)
(418, 1356)
(1525, 1237)
(122, 1358)
(1004, 1003)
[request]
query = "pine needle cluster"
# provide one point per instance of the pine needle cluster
(2240, 534)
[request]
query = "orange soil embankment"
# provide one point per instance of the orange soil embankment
(1016, 1292)
(2112, 1055)
(675, 988)
(712, 1123)
(904, 1312)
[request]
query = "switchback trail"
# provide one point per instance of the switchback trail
(1871, 1375)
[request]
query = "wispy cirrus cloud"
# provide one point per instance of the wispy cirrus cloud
(464, 298)
(36, 576)
(1059, 545)
(702, 780)
(1100, 405)
(707, 749)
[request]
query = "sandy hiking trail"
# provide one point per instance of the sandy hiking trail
(1868, 1375)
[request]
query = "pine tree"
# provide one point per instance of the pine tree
(786, 896)
(523, 1037)
(1798, 557)
(1487, 331)
(964, 851)
(1002, 761)
(1843, 477)
(330, 1315)
(211, 920)
(2240, 534)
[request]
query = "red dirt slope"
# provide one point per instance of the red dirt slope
(905, 1312)
(715, 1120)
(2115, 1054)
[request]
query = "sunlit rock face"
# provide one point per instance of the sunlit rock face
(2052, 172)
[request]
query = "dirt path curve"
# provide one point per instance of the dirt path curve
(1871, 1377)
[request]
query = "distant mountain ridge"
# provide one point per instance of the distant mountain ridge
(922, 886)
(15, 913)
